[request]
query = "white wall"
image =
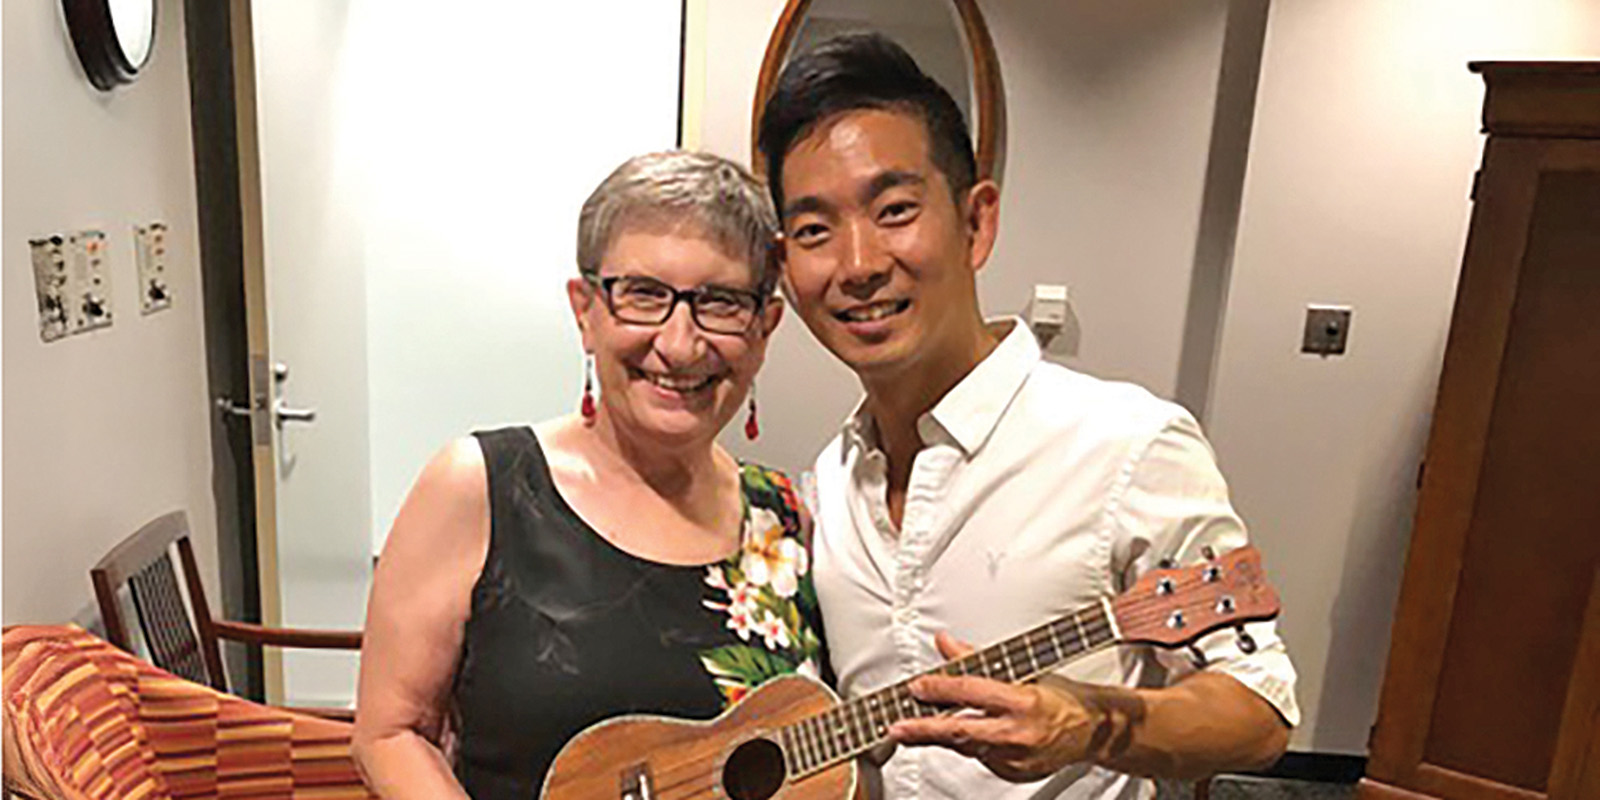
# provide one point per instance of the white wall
(105, 430)
(1365, 141)
(472, 172)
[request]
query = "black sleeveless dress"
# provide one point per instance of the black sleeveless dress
(567, 630)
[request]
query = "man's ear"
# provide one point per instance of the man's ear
(982, 220)
(581, 295)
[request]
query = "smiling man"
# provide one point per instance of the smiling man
(978, 490)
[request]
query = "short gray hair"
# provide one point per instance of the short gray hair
(731, 205)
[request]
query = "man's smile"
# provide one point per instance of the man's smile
(872, 312)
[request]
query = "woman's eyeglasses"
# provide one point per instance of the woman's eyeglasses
(646, 301)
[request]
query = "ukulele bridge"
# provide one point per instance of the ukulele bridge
(635, 783)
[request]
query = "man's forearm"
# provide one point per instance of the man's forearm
(1204, 724)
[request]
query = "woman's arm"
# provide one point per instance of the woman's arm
(421, 597)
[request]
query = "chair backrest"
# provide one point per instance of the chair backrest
(177, 629)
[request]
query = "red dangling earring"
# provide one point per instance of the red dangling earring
(587, 406)
(751, 429)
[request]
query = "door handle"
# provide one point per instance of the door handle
(281, 413)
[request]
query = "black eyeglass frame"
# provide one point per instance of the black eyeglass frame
(606, 282)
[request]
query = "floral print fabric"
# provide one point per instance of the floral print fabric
(765, 591)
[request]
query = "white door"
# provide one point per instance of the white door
(421, 168)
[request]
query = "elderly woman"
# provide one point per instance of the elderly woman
(617, 560)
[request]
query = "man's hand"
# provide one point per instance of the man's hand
(1021, 733)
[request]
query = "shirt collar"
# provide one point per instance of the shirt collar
(971, 410)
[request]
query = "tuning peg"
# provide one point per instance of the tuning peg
(1247, 643)
(1209, 552)
(1167, 563)
(1197, 657)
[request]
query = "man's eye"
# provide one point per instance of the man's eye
(897, 211)
(810, 232)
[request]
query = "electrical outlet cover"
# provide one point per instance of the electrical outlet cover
(150, 249)
(50, 285)
(1327, 330)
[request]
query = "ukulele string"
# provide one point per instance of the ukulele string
(1138, 612)
(1094, 634)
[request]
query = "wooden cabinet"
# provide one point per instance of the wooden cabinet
(1493, 681)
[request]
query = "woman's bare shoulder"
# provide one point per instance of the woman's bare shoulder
(447, 510)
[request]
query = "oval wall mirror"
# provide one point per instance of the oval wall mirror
(113, 38)
(948, 39)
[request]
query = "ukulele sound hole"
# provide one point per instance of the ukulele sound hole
(754, 771)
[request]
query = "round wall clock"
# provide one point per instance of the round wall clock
(113, 38)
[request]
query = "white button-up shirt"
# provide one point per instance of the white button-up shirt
(1037, 490)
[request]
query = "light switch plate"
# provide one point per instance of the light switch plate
(1327, 330)
(150, 250)
(50, 285)
(88, 282)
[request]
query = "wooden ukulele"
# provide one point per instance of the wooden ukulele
(793, 739)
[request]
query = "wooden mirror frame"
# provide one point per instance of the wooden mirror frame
(988, 89)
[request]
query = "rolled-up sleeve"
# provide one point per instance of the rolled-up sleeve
(1173, 504)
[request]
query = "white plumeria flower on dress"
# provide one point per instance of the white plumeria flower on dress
(715, 578)
(773, 632)
(742, 622)
(770, 558)
(743, 595)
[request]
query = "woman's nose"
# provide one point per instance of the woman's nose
(678, 339)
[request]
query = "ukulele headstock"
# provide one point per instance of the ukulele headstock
(1174, 607)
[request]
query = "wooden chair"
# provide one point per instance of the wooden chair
(182, 637)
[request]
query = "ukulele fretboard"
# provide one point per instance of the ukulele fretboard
(856, 726)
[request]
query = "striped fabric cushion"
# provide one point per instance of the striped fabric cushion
(86, 720)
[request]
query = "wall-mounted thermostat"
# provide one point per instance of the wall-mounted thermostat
(1050, 315)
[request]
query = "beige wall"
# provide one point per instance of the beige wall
(1365, 141)
(1109, 116)
(106, 430)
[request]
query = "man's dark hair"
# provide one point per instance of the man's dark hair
(856, 71)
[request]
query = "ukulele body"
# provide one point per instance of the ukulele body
(740, 755)
(731, 757)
